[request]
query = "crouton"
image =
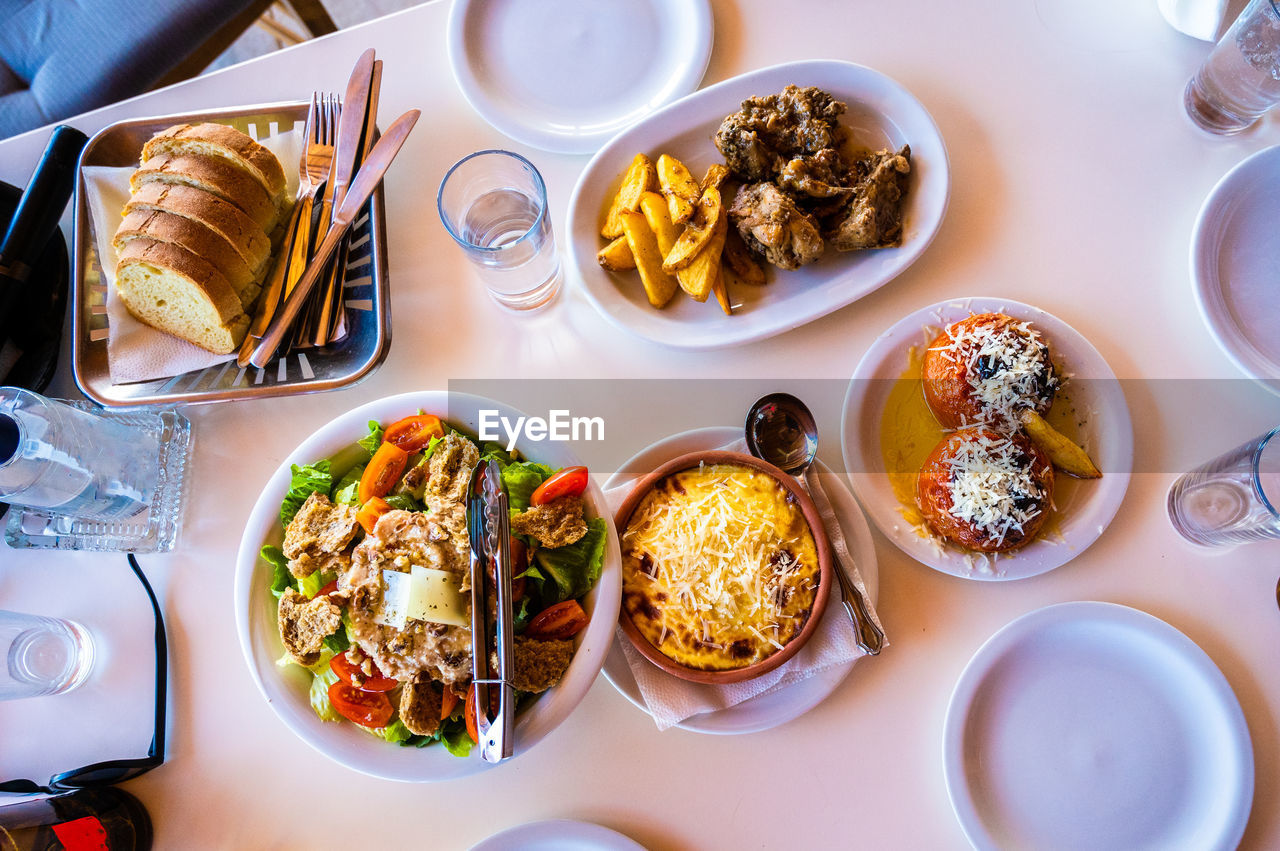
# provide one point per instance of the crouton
(420, 701)
(449, 469)
(320, 526)
(304, 624)
(539, 665)
(555, 524)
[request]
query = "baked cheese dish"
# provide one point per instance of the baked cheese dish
(720, 567)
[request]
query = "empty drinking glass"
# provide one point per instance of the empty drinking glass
(1241, 78)
(42, 655)
(1233, 499)
(494, 205)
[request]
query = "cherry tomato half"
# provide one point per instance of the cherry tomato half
(366, 708)
(519, 564)
(571, 481)
(469, 712)
(563, 620)
(383, 472)
(369, 513)
(329, 590)
(448, 704)
(414, 433)
(346, 669)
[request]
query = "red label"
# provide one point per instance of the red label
(82, 834)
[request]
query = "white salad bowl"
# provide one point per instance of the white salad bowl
(287, 688)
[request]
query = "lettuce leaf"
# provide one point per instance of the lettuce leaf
(345, 491)
(453, 735)
(396, 732)
(306, 480)
(404, 502)
(281, 578)
(371, 441)
(521, 480)
(575, 567)
(320, 692)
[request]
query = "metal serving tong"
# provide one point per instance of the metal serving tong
(488, 524)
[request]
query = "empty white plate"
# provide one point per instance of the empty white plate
(1235, 258)
(566, 75)
(1093, 725)
(558, 835)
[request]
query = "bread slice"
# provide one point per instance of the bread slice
(169, 288)
(215, 175)
(250, 241)
(193, 235)
(221, 140)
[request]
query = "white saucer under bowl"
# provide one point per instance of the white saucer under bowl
(1234, 251)
(566, 76)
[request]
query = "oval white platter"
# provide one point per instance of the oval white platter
(1085, 508)
(881, 114)
(565, 76)
(1094, 725)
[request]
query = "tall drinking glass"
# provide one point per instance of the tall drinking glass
(1241, 78)
(494, 205)
(1233, 499)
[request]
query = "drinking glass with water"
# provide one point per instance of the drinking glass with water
(1241, 78)
(1233, 499)
(494, 205)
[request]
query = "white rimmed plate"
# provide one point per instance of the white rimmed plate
(1094, 725)
(777, 707)
(1234, 246)
(1085, 508)
(286, 689)
(564, 75)
(558, 835)
(881, 114)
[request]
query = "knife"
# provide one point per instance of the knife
(361, 188)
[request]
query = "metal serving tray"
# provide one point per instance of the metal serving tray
(340, 365)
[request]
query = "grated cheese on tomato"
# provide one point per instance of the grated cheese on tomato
(1006, 364)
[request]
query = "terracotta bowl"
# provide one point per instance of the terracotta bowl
(825, 577)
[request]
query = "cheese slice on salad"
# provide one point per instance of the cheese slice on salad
(423, 594)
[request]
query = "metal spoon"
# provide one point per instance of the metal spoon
(781, 430)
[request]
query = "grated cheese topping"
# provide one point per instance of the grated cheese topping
(992, 487)
(1006, 364)
(717, 551)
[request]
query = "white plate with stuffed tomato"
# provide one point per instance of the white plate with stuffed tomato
(889, 433)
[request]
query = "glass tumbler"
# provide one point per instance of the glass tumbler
(1241, 78)
(1233, 499)
(42, 655)
(494, 205)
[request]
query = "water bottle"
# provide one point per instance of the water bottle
(69, 461)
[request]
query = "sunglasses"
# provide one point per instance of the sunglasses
(117, 770)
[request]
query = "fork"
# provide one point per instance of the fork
(322, 205)
(313, 170)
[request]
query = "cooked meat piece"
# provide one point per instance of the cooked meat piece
(449, 470)
(555, 524)
(320, 527)
(539, 665)
(873, 218)
(401, 539)
(304, 624)
(768, 132)
(772, 225)
(308, 563)
(420, 701)
(822, 175)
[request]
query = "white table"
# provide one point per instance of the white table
(1076, 181)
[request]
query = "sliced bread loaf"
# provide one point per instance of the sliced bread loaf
(214, 175)
(169, 288)
(248, 239)
(195, 236)
(221, 140)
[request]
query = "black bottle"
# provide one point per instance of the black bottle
(104, 819)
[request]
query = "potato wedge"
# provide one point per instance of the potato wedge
(721, 289)
(616, 256)
(658, 285)
(716, 175)
(639, 178)
(743, 262)
(678, 187)
(704, 224)
(1064, 454)
(659, 218)
(699, 276)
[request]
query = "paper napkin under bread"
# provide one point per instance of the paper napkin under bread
(136, 351)
(671, 700)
